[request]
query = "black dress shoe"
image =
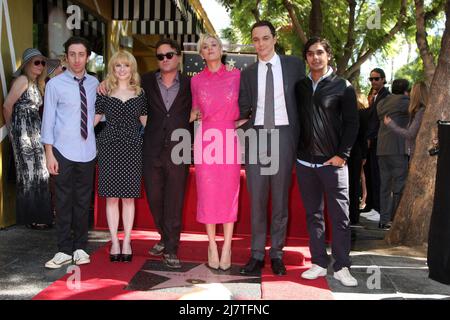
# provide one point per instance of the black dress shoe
(115, 257)
(253, 266)
(38, 226)
(278, 267)
(384, 226)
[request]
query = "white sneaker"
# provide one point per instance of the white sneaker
(345, 277)
(80, 257)
(58, 261)
(314, 272)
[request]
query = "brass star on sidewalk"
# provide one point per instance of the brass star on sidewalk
(200, 274)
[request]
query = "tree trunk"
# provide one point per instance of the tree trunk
(316, 19)
(387, 37)
(342, 63)
(297, 26)
(411, 223)
(255, 11)
(422, 42)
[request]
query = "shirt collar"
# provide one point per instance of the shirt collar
(221, 70)
(326, 75)
(159, 76)
(274, 61)
(69, 74)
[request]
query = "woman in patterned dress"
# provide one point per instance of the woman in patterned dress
(120, 147)
(215, 93)
(21, 113)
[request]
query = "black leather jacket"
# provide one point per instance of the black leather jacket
(328, 119)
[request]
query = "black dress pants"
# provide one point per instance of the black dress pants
(73, 188)
(165, 184)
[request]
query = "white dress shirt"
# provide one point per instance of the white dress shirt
(281, 116)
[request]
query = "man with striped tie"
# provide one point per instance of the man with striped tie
(68, 135)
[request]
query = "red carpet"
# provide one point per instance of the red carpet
(103, 280)
(143, 220)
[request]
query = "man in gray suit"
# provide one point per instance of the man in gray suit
(391, 151)
(267, 98)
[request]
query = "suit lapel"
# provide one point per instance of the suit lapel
(159, 100)
(254, 86)
(284, 69)
(180, 90)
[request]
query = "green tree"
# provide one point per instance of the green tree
(355, 29)
(412, 218)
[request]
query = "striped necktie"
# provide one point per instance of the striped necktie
(83, 127)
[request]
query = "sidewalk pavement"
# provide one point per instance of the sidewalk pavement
(382, 272)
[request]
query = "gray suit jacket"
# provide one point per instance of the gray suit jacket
(293, 71)
(396, 107)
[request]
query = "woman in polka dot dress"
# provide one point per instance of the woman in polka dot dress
(120, 147)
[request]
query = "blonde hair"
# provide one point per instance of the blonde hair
(40, 80)
(123, 56)
(362, 101)
(418, 98)
(205, 37)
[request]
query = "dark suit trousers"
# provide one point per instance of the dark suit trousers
(165, 185)
(73, 188)
(373, 177)
(354, 174)
(333, 183)
(393, 174)
(259, 186)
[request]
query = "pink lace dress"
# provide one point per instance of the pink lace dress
(216, 145)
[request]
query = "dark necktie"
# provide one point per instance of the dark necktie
(83, 124)
(269, 113)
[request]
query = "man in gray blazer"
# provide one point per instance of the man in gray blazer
(391, 151)
(267, 99)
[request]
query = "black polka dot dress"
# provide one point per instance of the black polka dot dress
(119, 146)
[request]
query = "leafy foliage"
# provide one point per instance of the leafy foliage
(366, 34)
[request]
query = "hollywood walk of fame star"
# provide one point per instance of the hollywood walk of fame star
(231, 62)
(200, 274)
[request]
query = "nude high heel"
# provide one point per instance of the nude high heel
(213, 258)
(225, 260)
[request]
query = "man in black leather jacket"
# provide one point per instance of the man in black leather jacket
(328, 118)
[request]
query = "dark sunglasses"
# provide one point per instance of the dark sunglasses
(374, 78)
(38, 62)
(168, 55)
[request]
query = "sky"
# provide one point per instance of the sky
(216, 14)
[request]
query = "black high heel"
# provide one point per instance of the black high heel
(115, 257)
(127, 257)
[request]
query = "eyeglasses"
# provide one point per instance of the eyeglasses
(374, 79)
(168, 55)
(38, 62)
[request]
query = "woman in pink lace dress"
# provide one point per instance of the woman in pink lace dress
(215, 93)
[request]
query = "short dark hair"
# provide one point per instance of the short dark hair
(172, 43)
(313, 40)
(400, 86)
(77, 40)
(264, 23)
